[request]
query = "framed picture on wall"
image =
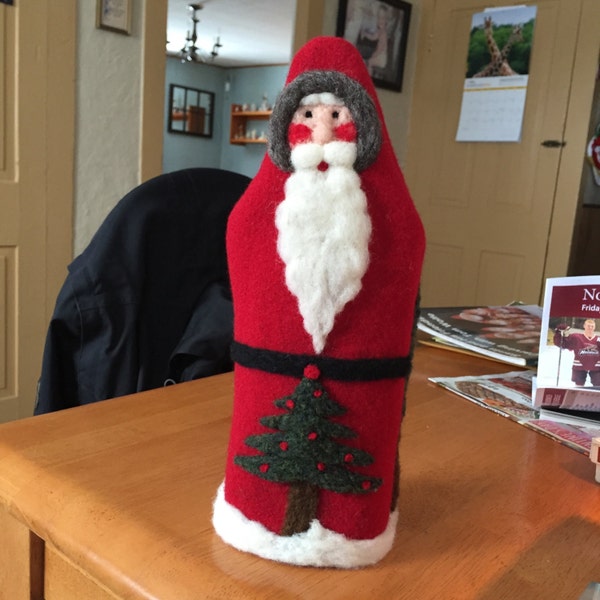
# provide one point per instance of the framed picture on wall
(114, 15)
(379, 29)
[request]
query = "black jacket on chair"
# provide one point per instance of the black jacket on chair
(148, 301)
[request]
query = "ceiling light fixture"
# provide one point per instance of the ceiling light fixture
(190, 51)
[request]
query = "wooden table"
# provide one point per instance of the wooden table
(113, 500)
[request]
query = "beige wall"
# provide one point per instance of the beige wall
(108, 89)
(395, 105)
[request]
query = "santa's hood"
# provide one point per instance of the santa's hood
(329, 64)
(333, 54)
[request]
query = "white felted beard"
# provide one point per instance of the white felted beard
(324, 231)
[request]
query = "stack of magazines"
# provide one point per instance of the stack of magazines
(558, 390)
(509, 334)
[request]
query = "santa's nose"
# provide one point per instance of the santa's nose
(323, 131)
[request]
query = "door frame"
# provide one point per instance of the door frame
(572, 160)
(60, 155)
(154, 64)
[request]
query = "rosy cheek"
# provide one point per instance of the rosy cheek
(298, 134)
(345, 132)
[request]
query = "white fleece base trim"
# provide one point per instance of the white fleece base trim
(317, 547)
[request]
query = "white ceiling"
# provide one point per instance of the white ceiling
(253, 32)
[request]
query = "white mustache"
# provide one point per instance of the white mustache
(335, 154)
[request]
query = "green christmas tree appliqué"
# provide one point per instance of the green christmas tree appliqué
(305, 453)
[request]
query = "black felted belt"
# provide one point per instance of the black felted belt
(340, 369)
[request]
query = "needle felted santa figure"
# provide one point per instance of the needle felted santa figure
(325, 251)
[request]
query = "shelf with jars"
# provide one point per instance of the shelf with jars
(246, 125)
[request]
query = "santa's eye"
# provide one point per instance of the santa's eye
(335, 114)
(308, 114)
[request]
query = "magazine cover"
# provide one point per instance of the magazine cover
(569, 361)
(510, 334)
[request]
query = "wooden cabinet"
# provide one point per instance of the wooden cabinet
(248, 126)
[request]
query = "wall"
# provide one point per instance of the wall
(395, 105)
(230, 86)
(248, 85)
(181, 151)
(108, 120)
(108, 127)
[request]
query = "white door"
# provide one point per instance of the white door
(487, 207)
(37, 72)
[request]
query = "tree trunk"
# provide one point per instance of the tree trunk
(303, 500)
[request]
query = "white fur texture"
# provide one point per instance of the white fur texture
(317, 547)
(324, 231)
(322, 98)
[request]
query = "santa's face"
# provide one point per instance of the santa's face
(323, 223)
(321, 123)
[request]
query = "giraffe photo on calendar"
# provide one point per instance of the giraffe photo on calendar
(497, 74)
(500, 42)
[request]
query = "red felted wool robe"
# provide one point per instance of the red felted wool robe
(354, 527)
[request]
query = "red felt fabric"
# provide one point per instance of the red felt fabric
(377, 323)
(298, 134)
